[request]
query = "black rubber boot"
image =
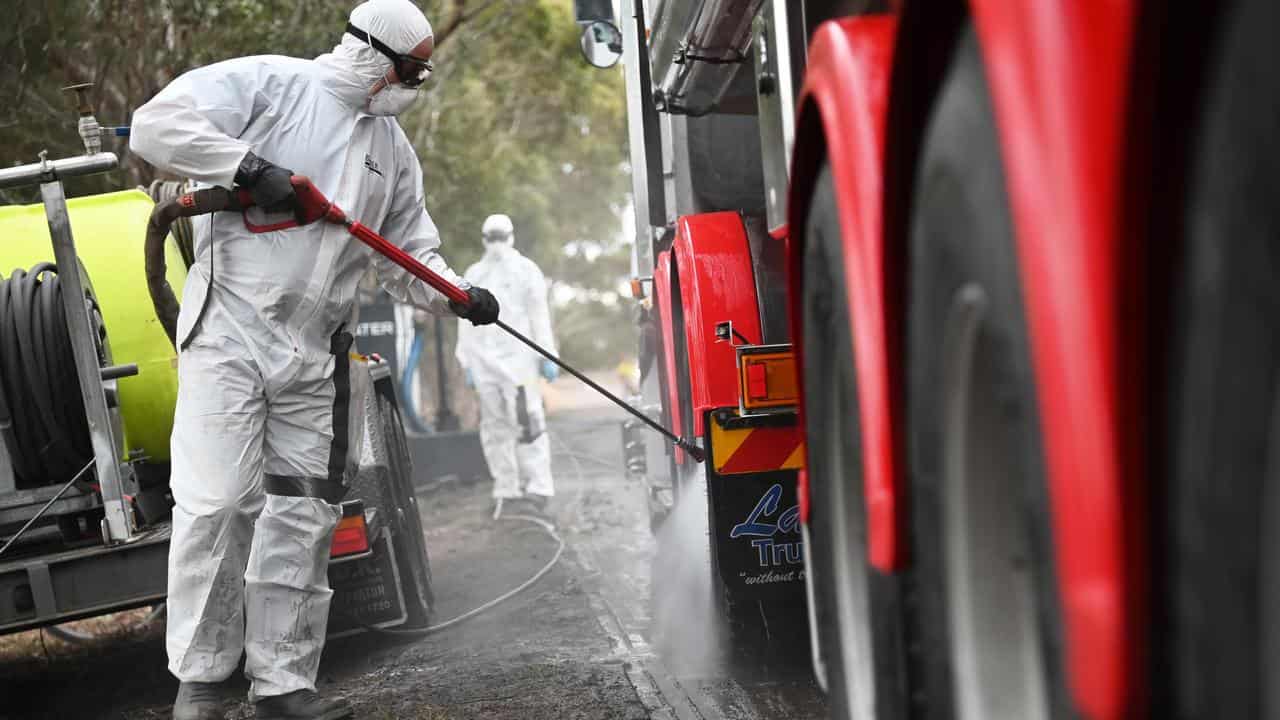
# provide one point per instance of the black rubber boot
(198, 701)
(301, 705)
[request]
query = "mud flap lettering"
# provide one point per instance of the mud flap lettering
(755, 519)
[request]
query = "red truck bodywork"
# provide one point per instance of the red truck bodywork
(1058, 73)
(710, 255)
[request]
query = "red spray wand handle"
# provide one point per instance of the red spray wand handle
(313, 206)
(408, 262)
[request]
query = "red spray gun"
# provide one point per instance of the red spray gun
(314, 206)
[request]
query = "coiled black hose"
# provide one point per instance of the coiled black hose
(42, 417)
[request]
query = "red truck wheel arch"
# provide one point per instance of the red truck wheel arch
(711, 258)
(1059, 78)
(670, 390)
(841, 119)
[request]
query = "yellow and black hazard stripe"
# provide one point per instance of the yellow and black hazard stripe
(755, 444)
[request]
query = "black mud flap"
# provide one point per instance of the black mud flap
(367, 590)
(758, 558)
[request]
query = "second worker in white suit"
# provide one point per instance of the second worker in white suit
(505, 372)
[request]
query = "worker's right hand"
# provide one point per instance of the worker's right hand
(481, 310)
(469, 378)
(269, 184)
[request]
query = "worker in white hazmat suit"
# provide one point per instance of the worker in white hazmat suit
(263, 426)
(505, 372)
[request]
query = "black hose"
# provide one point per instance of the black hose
(165, 214)
(182, 231)
(42, 417)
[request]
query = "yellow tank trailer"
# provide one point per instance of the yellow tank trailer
(109, 231)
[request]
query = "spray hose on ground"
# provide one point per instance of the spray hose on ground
(545, 525)
(468, 615)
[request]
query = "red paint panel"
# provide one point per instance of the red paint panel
(847, 87)
(1058, 72)
(717, 284)
(662, 292)
(765, 449)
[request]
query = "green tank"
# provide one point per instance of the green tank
(109, 232)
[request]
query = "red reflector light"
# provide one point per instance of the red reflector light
(757, 381)
(351, 536)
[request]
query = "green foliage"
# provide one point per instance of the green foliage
(513, 120)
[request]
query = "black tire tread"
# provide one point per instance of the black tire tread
(962, 233)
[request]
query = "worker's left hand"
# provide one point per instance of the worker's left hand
(482, 310)
(550, 371)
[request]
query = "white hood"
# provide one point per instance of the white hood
(398, 23)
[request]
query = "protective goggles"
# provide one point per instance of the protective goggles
(496, 237)
(412, 71)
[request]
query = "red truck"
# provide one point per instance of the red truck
(990, 293)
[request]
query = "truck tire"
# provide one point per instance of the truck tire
(390, 491)
(856, 608)
(984, 606)
(1216, 528)
(681, 472)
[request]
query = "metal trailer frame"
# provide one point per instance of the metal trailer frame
(105, 434)
(128, 568)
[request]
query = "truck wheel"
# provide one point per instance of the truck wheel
(855, 608)
(681, 472)
(984, 604)
(1217, 526)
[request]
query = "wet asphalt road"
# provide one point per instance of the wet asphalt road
(578, 644)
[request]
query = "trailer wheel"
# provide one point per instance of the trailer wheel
(409, 515)
(856, 608)
(1217, 525)
(985, 616)
(392, 493)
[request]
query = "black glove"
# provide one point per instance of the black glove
(268, 184)
(482, 310)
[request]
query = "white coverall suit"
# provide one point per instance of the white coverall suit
(512, 420)
(260, 439)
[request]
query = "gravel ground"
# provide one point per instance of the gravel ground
(571, 646)
(541, 655)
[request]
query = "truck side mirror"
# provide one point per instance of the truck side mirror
(602, 44)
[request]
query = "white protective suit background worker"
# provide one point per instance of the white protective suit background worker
(505, 372)
(261, 431)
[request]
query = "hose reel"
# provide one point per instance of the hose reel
(42, 418)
